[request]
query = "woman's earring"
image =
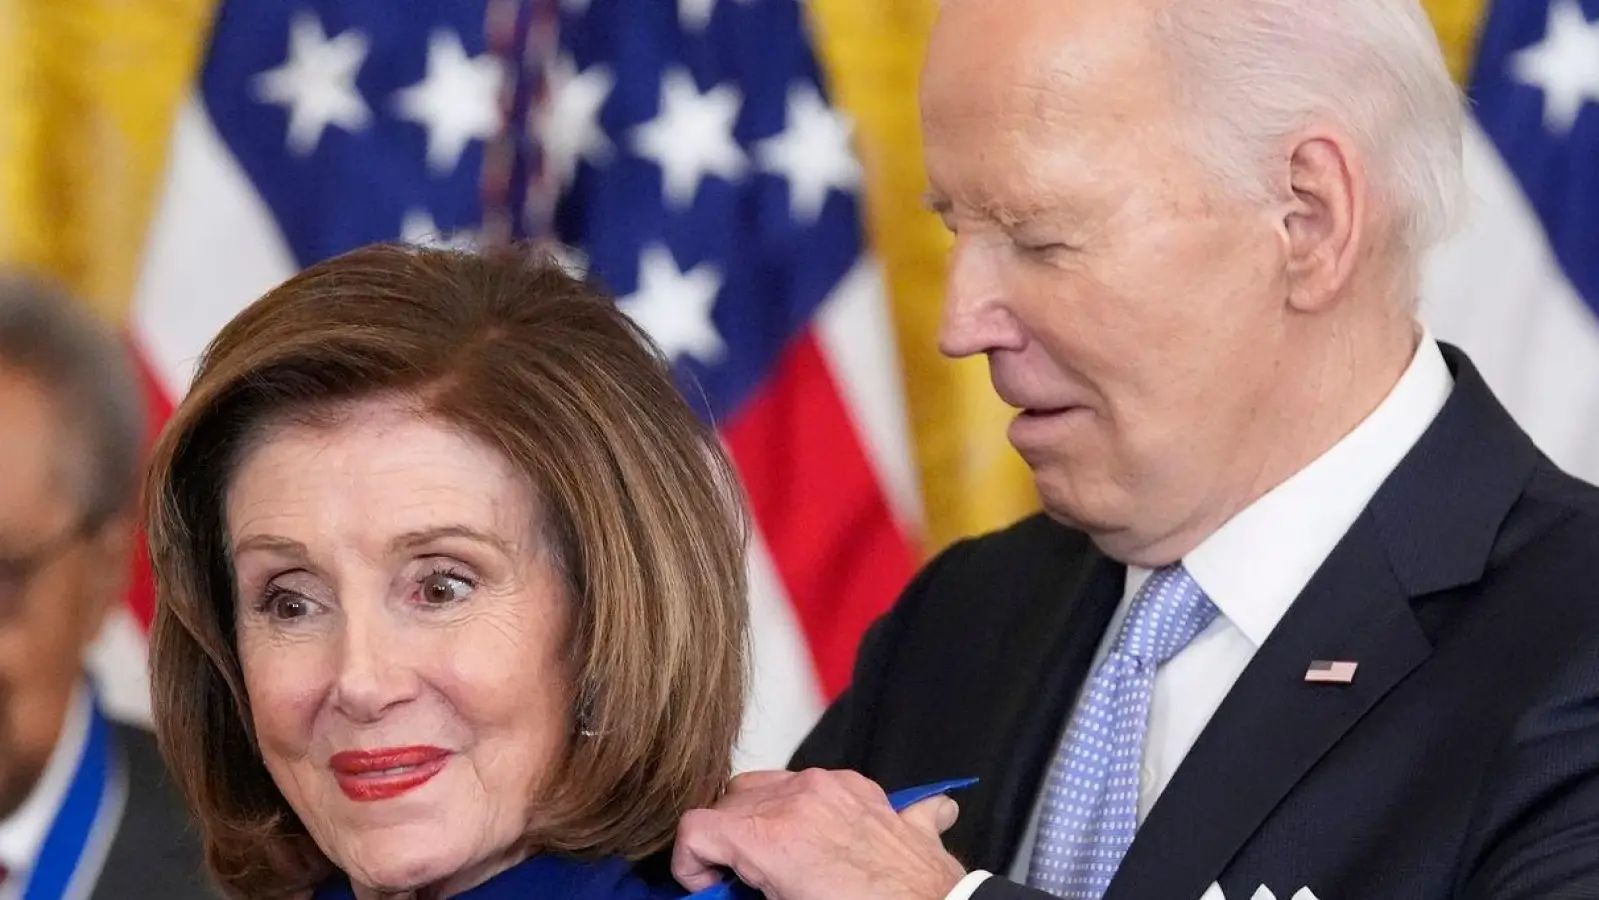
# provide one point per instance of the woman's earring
(585, 715)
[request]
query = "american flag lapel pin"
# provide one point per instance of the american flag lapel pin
(1326, 671)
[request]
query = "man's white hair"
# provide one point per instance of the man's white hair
(1256, 71)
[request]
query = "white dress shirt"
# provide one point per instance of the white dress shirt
(1253, 568)
(23, 832)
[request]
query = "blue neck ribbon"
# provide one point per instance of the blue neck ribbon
(75, 848)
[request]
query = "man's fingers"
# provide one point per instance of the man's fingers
(700, 856)
(934, 815)
(816, 834)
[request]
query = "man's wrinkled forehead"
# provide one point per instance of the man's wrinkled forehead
(1051, 59)
(1057, 96)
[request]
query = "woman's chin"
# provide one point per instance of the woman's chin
(400, 859)
(393, 862)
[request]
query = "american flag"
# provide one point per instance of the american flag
(702, 173)
(1325, 671)
(699, 167)
(1518, 289)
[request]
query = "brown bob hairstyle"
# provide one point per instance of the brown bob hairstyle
(639, 506)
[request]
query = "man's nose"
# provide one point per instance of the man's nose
(976, 317)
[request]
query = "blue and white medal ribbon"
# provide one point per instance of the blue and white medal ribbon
(75, 848)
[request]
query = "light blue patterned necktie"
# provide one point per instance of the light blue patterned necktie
(1090, 810)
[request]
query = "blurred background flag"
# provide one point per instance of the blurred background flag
(701, 171)
(1519, 287)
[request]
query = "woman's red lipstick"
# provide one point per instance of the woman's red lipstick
(370, 775)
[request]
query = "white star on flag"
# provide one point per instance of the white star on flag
(692, 136)
(419, 228)
(568, 128)
(317, 83)
(674, 306)
(813, 152)
(457, 101)
(694, 15)
(1564, 65)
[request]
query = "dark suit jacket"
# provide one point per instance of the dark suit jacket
(156, 852)
(1462, 762)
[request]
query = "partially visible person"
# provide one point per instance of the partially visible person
(86, 807)
(451, 588)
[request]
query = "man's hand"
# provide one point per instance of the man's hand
(818, 835)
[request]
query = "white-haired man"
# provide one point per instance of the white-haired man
(1309, 616)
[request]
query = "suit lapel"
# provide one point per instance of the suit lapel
(1424, 531)
(1273, 725)
(1053, 651)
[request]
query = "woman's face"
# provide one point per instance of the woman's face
(401, 627)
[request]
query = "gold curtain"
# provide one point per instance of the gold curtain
(88, 92)
(1458, 23)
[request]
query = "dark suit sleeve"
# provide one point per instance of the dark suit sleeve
(157, 850)
(1539, 815)
(997, 888)
(843, 737)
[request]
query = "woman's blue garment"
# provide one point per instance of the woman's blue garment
(549, 878)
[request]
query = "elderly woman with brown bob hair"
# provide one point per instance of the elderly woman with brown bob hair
(451, 588)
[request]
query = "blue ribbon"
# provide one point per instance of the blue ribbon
(66, 847)
(900, 800)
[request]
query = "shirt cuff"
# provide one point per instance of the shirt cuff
(967, 886)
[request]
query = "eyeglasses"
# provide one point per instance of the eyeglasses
(17, 572)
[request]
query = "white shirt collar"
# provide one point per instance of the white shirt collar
(22, 833)
(1255, 565)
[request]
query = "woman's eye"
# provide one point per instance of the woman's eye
(286, 605)
(441, 588)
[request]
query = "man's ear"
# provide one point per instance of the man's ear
(1323, 224)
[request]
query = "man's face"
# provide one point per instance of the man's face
(54, 582)
(1134, 314)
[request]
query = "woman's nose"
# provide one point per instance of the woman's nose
(374, 672)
